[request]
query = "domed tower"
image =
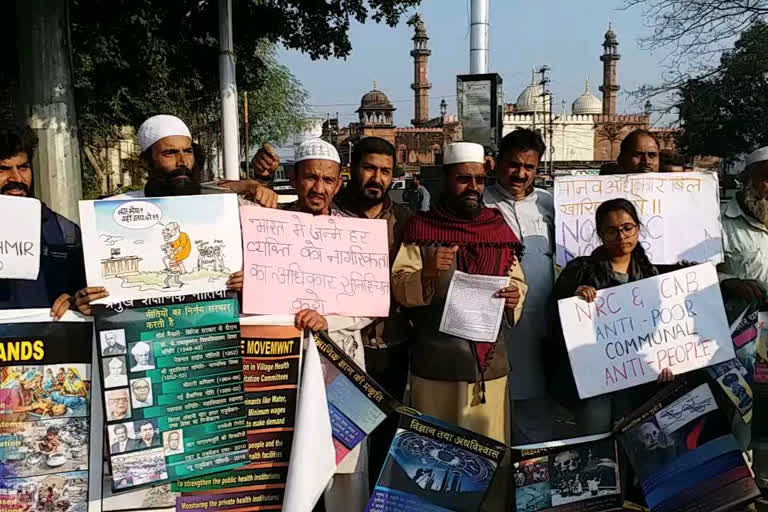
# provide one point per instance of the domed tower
(610, 58)
(532, 99)
(420, 85)
(587, 103)
(375, 110)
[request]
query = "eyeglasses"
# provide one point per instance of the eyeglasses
(465, 179)
(625, 231)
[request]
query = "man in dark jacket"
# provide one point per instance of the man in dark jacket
(386, 353)
(61, 260)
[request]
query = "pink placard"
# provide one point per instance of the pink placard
(295, 261)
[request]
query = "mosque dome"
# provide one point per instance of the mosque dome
(531, 99)
(375, 100)
(587, 103)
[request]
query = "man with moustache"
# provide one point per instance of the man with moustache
(639, 153)
(386, 353)
(530, 212)
(317, 179)
(454, 379)
(62, 271)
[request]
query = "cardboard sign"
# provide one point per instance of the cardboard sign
(664, 202)
(20, 238)
(632, 332)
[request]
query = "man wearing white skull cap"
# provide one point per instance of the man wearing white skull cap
(317, 179)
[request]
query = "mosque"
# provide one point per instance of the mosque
(577, 142)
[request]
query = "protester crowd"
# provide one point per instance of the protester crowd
(512, 390)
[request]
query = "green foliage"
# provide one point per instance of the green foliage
(726, 114)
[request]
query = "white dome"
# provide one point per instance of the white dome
(587, 103)
(531, 99)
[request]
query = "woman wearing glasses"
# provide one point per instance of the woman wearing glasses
(619, 260)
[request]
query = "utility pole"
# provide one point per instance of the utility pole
(46, 101)
(228, 91)
(246, 133)
(547, 95)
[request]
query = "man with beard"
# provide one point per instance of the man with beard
(639, 153)
(454, 379)
(62, 270)
(386, 353)
(317, 179)
(530, 212)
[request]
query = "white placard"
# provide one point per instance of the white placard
(630, 333)
(680, 213)
(20, 238)
(472, 310)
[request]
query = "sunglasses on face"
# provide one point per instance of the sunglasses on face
(466, 179)
(625, 231)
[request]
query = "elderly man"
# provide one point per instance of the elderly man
(317, 180)
(530, 213)
(454, 379)
(62, 271)
(141, 353)
(639, 153)
(386, 353)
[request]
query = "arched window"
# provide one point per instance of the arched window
(402, 155)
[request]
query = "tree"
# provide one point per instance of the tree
(727, 115)
(135, 58)
(694, 33)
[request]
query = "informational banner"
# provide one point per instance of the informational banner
(630, 333)
(162, 246)
(433, 465)
(172, 375)
(735, 377)
(683, 453)
(45, 379)
(664, 202)
(334, 265)
(20, 239)
(563, 475)
(271, 367)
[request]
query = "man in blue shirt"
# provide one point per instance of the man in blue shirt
(61, 260)
(418, 196)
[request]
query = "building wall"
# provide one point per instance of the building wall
(611, 130)
(573, 135)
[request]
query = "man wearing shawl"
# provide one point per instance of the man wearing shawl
(454, 379)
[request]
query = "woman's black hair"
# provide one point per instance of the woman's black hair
(638, 253)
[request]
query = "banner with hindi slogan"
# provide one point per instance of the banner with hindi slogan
(630, 333)
(45, 413)
(680, 213)
(20, 239)
(683, 453)
(435, 466)
(334, 265)
(569, 474)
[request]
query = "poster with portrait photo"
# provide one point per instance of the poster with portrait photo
(118, 404)
(681, 448)
(559, 474)
(141, 356)
(115, 372)
(141, 393)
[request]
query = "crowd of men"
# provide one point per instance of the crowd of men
(498, 389)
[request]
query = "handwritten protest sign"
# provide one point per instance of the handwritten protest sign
(295, 261)
(664, 203)
(20, 239)
(630, 333)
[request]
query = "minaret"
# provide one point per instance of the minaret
(420, 85)
(610, 58)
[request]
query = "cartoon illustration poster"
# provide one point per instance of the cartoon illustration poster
(683, 453)
(557, 475)
(162, 246)
(435, 466)
(45, 388)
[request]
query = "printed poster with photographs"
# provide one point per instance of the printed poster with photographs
(683, 453)
(172, 376)
(736, 376)
(570, 474)
(435, 466)
(271, 369)
(162, 246)
(45, 390)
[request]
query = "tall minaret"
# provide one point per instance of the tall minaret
(420, 84)
(610, 58)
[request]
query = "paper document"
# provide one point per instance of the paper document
(472, 309)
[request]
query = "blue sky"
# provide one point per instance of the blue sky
(564, 34)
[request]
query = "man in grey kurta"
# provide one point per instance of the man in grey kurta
(530, 214)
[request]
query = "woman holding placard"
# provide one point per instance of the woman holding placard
(619, 260)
